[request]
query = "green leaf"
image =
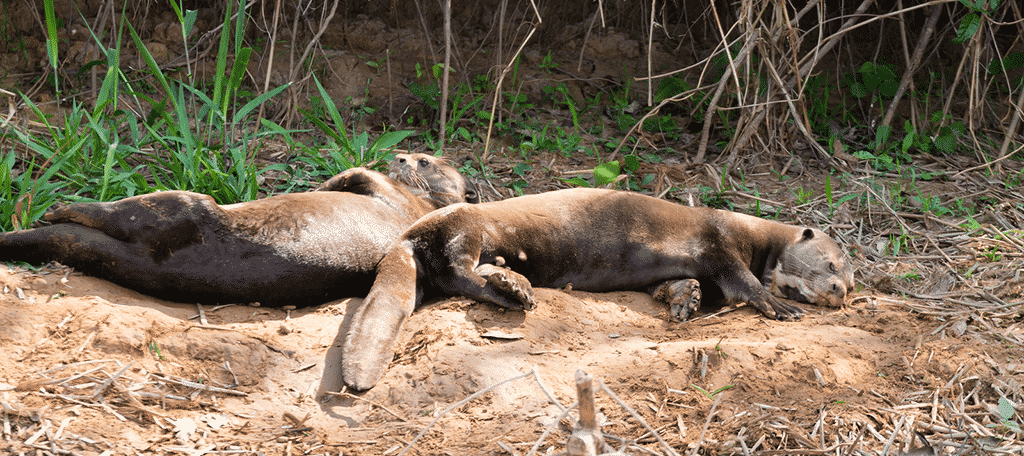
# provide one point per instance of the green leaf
(882, 134)
(884, 72)
(631, 163)
(388, 140)
(428, 93)
(438, 68)
(858, 90)
(888, 87)
(108, 89)
(237, 73)
(332, 110)
(521, 169)
(154, 69)
(907, 142)
(864, 155)
(202, 96)
(1005, 408)
(968, 25)
(958, 127)
(1012, 61)
(670, 87)
(577, 181)
(871, 81)
(222, 57)
(188, 22)
(240, 27)
(51, 33)
(946, 143)
(828, 190)
(848, 197)
(606, 173)
(256, 102)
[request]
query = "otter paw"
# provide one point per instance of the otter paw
(682, 296)
(783, 311)
(510, 283)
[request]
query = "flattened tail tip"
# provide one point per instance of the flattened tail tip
(359, 386)
(361, 372)
(359, 380)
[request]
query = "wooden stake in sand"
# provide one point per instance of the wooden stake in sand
(586, 440)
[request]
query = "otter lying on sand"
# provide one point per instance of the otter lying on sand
(596, 240)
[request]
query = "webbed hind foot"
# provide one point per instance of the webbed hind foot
(682, 296)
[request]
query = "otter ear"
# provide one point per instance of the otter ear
(807, 235)
(471, 195)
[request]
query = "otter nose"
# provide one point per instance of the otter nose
(839, 289)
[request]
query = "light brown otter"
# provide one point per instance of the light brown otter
(291, 249)
(596, 240)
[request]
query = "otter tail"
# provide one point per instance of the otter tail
(369, 344)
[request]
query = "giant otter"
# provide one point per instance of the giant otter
(596, 240)
(291, 249)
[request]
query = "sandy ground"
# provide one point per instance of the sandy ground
(837, 367)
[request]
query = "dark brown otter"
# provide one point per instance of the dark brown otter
(291, 249)
(596, 240)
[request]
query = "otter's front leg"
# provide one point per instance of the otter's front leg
(742, 286)
(511, 286)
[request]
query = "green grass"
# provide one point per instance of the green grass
(148, 132)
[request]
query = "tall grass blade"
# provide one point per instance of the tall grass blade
(219, 83)
(154, 69)
(237, 73)
(338, 133)
(255, 102)
(51, 39)
(109, 88)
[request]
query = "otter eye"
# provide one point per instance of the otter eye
(832, 268)
(424, 163)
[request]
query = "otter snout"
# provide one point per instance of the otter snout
(837, 293)
(822, 290)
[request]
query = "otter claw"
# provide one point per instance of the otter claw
(785, 311)
(509, 282)
(682, 296)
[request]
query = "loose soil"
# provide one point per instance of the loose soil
(837, 366)
(928, 344)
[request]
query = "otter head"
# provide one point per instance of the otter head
(813, 269)
(435, 178)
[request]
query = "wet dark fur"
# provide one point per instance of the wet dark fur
(292, 249)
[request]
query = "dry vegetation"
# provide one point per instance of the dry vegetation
(867, 118)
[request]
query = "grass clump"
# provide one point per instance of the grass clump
(154, 132)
